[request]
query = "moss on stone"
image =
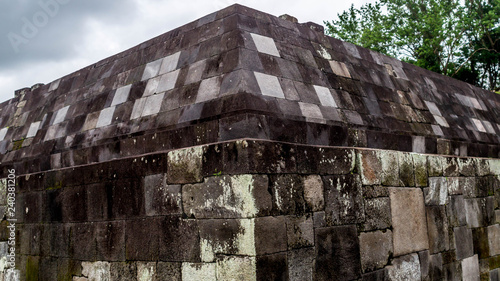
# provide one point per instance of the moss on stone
(32, 269)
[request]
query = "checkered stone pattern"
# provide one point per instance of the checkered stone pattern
(242, 62)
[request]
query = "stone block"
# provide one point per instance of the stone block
(435, 267)
(67, 268)
(272, 267)
(300, 231)
(142, 239)
(269, 85)
(438, 191)
(226, 237)
(198, 271)
(470, 268)
(146, 271)
(481, 243)
(121, 95)
(236, 268)
(288, 194)
(437, 229)
(379, 167)
(420, 162)
(463, 242)
(185, 165)
(467, 166)
(263, 243)
(424, 260)
(123, 271)
(406, 169)
(208, 90)
(108, 235)
(450, 167)
(151, 69)
(494, 239)
(377, 214)
(160, 198)
(169, 271)
(325, 160)
(435, 166)
(408, 220)
(404, 268)
(301, 264)
(265, 44)
(344, 202)
(179, 240)
(455, 211)
(313, 193)
(375, 249)
(167, 81)
(337, 253)
(473, 212)
(325, 96)
(240, 196)
(80, 236)
(96, 270)
(169, 63)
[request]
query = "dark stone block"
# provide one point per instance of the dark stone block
(325, 160)
(288, 194)
(463, 242)
(81, 246)
(337, 253)
(142, 239)
(286, 130)
(67, 268)
(169, 271)
(179, 240)
(343, 199)
(33, 207)
(126, 199)
(74, 204)
(272, 267)
(265, 244)
(435, 267)
(110, 240)
(97, 201)
(160, 198)
(53, 205)
(55, 240)
(480, 240)
(437, 227)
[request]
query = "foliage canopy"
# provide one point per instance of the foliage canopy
(458, 38)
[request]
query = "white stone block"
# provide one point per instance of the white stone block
(153, 104)
(151, 69)
(33, 129)
(325, 96)
(61, 115)
(121, 95)
(105, 117)
(269, 85)
(167, 81)
(265, 44)
(169, 63)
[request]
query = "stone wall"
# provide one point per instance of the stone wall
(263, 210)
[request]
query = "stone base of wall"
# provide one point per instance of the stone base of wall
(262, 210)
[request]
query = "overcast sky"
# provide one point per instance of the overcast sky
(43, 40)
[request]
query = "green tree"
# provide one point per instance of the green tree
(458, 38)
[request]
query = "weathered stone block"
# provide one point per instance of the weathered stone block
(198, 271)
(141, 241)
(450, 167)
(463, 242)
(337, 253)
(494, 239)
(325, 160)
(470, 268)
(378, 275)
(455, 210)
(379, 167)
(438, 191)
(226, 237)
(467, 166)
(343, 199)
(406, 169)
(481, 243)
(420, 163)
(236, 268)
(375, 248)
(185, 165)
(435, 166)
(179, 240)
(169, 271)
(107, 236)
(377, 214)
(404, 268)
(435, 267)
(437, 228)
(123, 271)
(452, 271)
(300, 231)
(424, 260)
(473, 212)
(228, 197)
(263, 243)
(80, 248)
(408, 220)
(288, 194)
(160, 198)
(301, 264)
(96, 270)
(455, 185)
(146, 271)
(313, 193)
(374, 191)
(272, 267)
